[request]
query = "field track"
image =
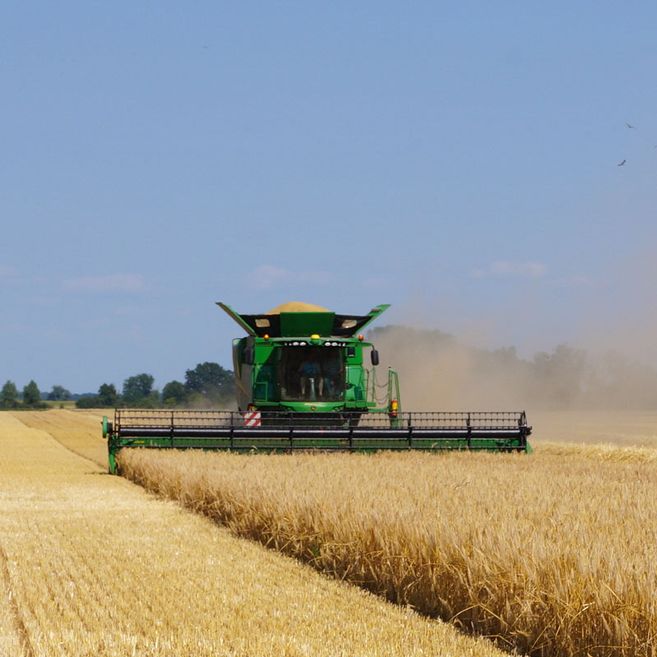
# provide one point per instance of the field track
(92, 565)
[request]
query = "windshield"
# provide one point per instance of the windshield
(312, 374)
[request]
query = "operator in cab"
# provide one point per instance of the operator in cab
(310, 376)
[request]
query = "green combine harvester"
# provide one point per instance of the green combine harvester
(307, 379)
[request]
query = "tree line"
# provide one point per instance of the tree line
(30, 397)
(206, 384)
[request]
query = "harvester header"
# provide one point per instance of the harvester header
(306, 379)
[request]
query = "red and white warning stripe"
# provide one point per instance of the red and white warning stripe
(252, 419)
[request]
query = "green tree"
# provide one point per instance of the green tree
(107, 395)
(211, 381)
(174, 393)
(59, 393)
(31, 394)
(9, 395)
(152, 401)
(138, 389)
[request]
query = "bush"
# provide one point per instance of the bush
(88, 401)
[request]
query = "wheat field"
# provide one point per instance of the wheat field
(91, 564)
(552, 554)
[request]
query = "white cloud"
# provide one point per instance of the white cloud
(109, 283)
(267, 277)
(502, 268)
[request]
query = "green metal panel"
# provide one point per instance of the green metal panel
(306, 324)
(236, 316)
(264, 351)
(355, 391)
(309, 407)
(265, 384)
(374, 313)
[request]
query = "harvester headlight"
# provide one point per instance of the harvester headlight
(295, 344)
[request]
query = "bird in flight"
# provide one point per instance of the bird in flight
(631, 127)
(620, 164)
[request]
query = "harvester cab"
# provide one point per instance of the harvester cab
(310, 362)
(306, 379)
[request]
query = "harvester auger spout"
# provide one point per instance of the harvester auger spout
(303, 383)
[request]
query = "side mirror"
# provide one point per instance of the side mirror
(375, 357)
(248, 356)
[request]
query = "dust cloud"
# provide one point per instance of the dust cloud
(440, 372)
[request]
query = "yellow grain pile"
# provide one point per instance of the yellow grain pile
(297, 307)
(554, 555)
(92, 565)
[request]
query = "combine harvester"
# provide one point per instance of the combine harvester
(303, 382)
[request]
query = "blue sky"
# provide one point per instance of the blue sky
(458, 161)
